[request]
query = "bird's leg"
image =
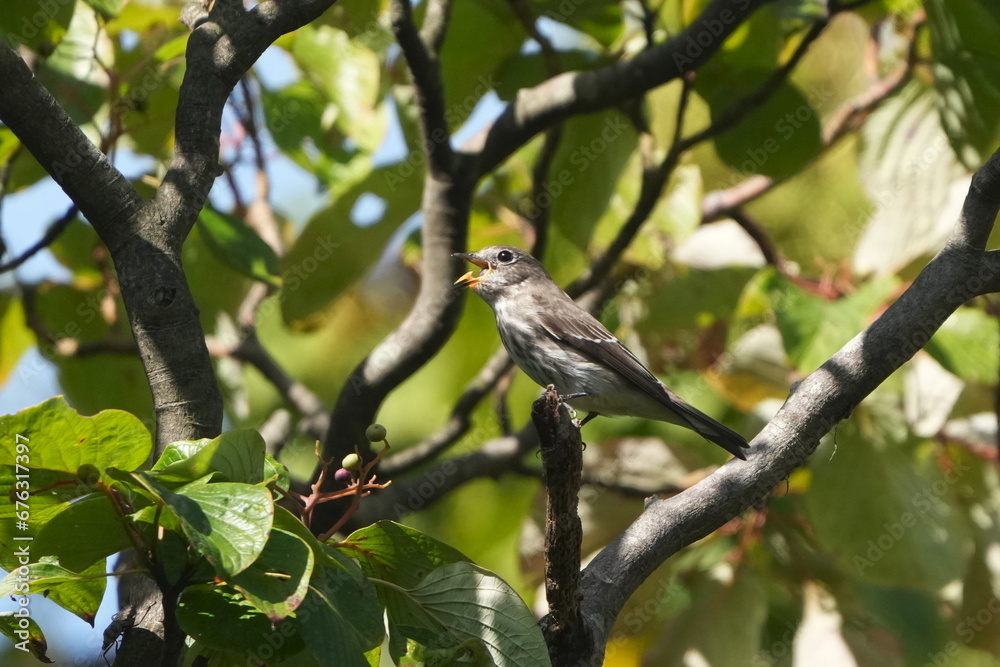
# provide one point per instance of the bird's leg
(570, 397)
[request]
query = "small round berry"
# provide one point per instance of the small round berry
(375, 433)
(343, 475)
(88, 474)
(350, 461)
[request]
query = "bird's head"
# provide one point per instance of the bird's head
(502, 267)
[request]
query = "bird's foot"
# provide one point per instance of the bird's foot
(570, 397)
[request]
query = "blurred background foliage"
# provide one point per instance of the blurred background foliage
(884, 549)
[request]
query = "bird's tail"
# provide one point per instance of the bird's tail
(711, 430)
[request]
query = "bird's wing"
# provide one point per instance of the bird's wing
(586, 335)
(589, 337)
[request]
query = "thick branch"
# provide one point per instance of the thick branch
(445, 204)
(562, 461)
(958, 273)
(576, 93)
(426, 72)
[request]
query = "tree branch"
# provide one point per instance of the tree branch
(959, 272)
(582, 92)
(562, 462)
(457, 424)
(845, 119)
(445, 204)
(426, 72)
(51, 234)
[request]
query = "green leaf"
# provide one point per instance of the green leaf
(600, 20)
(723, 620)
(236, 244)
(812, 328)
(324, 554)
(74, 248)
(227, 522)
(40, 25)
(85, 532)
(911, 178)
(25, 634)
(966, 66)
(592, 155)
(15, 337)
(79, 593)
(397, 553)
(331, 253)
(23, 516)
(277, 471)
(328, 635)
(776, 139)
(904, 528)
(473, 603)
(93, 382)
(222, 618)
(344, 598)
(238, 456)
(966, 345)
(348, 73)
(60, 439)
(475, 23)
(277, 581)
(107, 8)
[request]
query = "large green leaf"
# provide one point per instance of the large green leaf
(79, 593)
(776, 139)
(40, 25)
(107, 8)
(332, 253)
(15, 337)
(93, 382)
(227, 522)
(911, 178)
(238, 456)
(591, 156)
(904, 528)
(277, 581)
(473, 603)
(813, 328)
(58, 438)
(222, 618)
(475, 24)
(966, 65)
(240, 247)
(966, 346)
(352, 600)
(348, 74)
(328, 635)
(397, 553)
(722, 622)
(600, 20)
(85, 532)
(25, 634)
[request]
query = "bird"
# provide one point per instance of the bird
(555, 341)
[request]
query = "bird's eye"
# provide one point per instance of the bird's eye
(505, 256)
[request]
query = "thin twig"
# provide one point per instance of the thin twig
(51, 234)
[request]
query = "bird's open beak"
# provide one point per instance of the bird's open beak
(469, 280)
